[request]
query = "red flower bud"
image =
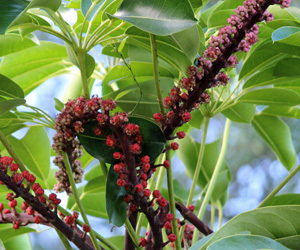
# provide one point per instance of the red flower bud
(180, 134)
(172, 237)
(174, 145)
(86, 228)
(156, 194)
(166, 163)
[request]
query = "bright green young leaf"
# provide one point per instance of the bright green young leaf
(219, 18)
(284, 199)
(74, 89)
(197, 119)
(240, 112)
(12, 43)
(188, 153)
(19, 242)
(284, 111)
(159, 17)
(45, 4)
(58, 104)
(118, 241)
(271, 96)
(289, 67)
(277, 223)
(86, 5)
(6, 105)
(278, 136)
(94, 172)
(153, 140)
(32, 66)
(9, 88)
(7, 232)
(116, 207)
(34, 151)
(284, 32)
(246, 242)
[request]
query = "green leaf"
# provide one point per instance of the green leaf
(271, 96)
(197, 119)
(219, 18)
(278, 136)
(289, 67)
(284, 32)
(159, 17)
(153, 140)
(188, 153)
(284, 199)
(7, 232)
(288, 112)
(6, 105)
(12, 43)
(34, 151)
(74, 89)
(277, 223)
(116, 207)
(58, 104)
(9, 88)
(89, 65)
(246, 242)
(18, 242)
(32, 66)
(85, 6)
(240, 112)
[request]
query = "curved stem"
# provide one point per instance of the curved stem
(81, 60)
(11, 151)
(220, 212)
(78, 201)
(104, 169)
(280, 186)
(212, 215)
(132, 234)
(214, 177)
(172, 201)
(155, 72)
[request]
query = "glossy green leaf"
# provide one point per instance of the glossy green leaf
(246, 242)
(219, 18)
(74, 89)
(153, 140)
(32, 66)
(284, 199)
(159, 17)
(34, 151)
(7, 232)
(284, 32)
(12, 43)
(9, 88)
(277, 223)
(94, 172)
(278, 136)
(86, 5)
(58, 104)
(288, 112)
(19, 242)
(198, 3)
(118, 241)
(89, 64)
(6, 105)
(271, 96)
(45, 4)
(188, 153)
(116, 207)
(240, 112)
(197, 119)
(289, 67)
(9, 11)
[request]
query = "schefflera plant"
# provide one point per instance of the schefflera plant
(132, 144)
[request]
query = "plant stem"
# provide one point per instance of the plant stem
(279, 187)
(11, 151)
(198, 167)
(220, 211)
(81, 60)
(64, 240)
(104, 169)
(132, 234)
(212, 215)
(172, 201)
(214, 177)
(78, 201)
(155, 72)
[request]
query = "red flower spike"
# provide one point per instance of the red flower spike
(86, 228)
(121, 182)
(144, 176)
(1, 207)
(75, 214)
(118, 168)
(117, 155)
(169, 217)
(136, 148)
(109, 141)
(36, 186)
(162, 202)
(143, 242)
(191, 208)
(167, 164)
(156, 194)
(6, 211)
(133, 207)
(43, 199)
(180, 134)
(144, 184)
(146, 167)
(14, 167)
(139, 188)
(147, 193)
(18, 178)
(6, 160)
(127, 198)
(157, 117)
(37, 219)
(52, 197)
(29, 211)
(56, 202)
(184, 96)
(170, 114)
(174, 145)
(69, 220)
(168, 225)
(12, 203)
(145, 159)
(31, 178)
(186, 117)
(24, 206)
(98, 131)
(172, 237)
(16, 225)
